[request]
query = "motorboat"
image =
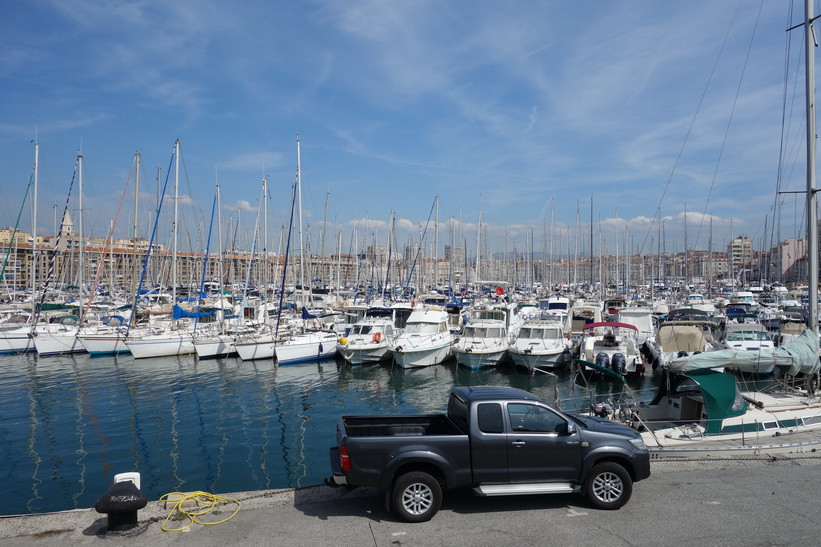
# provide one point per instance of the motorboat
(611, 345)
(426, 339)
(696, 407)
(367, 340)
(541, 345)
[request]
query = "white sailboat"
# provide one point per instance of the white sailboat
(176, 337)
(16, 338)
(60, 337)
(308, 344)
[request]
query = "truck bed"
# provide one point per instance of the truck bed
(410, 424)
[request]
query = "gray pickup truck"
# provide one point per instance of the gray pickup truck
(495, 440)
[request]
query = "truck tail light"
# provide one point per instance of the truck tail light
(344, 459)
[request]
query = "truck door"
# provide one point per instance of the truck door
(488, 445)
(538, 447)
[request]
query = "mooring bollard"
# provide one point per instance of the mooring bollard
(121, 503)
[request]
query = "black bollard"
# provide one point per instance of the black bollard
(121, 503)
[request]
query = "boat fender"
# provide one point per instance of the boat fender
(343, 341)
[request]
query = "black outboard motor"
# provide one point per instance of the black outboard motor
(619, 363)
(603, 360)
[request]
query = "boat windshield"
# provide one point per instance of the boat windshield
(422, 328)
(483, 332)
(540, 333)
(362, 329)
(748, 335)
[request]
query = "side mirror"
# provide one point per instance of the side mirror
(566, 428)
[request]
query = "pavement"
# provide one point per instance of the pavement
(755, 501)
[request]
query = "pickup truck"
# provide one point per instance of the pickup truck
(494, 440)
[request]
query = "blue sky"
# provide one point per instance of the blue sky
(534, 108)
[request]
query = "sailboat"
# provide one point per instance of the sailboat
(311, 342)
(108, 337)
(174, 337)
(60, 335)
(16, 338)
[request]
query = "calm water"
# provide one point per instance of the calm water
(69, 424)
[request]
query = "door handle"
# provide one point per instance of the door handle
(518, 443)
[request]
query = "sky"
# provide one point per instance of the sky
(538, 120)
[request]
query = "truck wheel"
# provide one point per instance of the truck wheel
(608, 486)
(416, 497)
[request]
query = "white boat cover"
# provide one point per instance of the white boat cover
(799, 356)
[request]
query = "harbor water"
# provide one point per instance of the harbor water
(70, 423)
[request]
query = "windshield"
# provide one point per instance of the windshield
(747, 335)
(422, 328)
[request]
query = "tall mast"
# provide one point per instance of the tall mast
(135, 274)
(479, 240)
(812, 213)
(176, 217)
(34, 258)
(80, 226)
(305, 302)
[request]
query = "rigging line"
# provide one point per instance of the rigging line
(729, 121)
(56, 249)
(689, 130)
(16, 228)
(150, 245)
(419, 250)
(101, 266)
(781, 149)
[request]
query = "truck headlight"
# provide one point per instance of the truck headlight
(638, 442)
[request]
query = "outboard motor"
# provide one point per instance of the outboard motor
(603, 360)
(619, 363)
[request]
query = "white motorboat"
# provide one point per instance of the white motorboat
(681, 338)
(541, 345)
(485, 339)
(483, 343)
(612, 345)
(696, 408)
(426, 340)
(367, 340)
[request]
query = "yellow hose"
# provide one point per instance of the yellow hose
(203, 502)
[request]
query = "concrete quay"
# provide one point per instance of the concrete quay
(755, 501)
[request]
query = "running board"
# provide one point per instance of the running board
(520, 489)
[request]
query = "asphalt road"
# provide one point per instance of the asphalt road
(685, 503)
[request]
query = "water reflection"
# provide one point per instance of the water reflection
(70, 423)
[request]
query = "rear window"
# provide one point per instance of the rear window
(458, 412)
(490, 418)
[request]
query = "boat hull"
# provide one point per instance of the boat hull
(477, 360)
(311, 348)
(422, 357)
(363, 354)
(57, 344)
(104, 345)
(15, 341)
(214, 348)
(161, 347)
(546, 360)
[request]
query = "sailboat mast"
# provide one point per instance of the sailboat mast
(305, 301)
(812, 213)
(176, 217)
(80, 226)
(34, 258)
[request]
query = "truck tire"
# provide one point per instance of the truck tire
(416, 496)
(608, 486)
